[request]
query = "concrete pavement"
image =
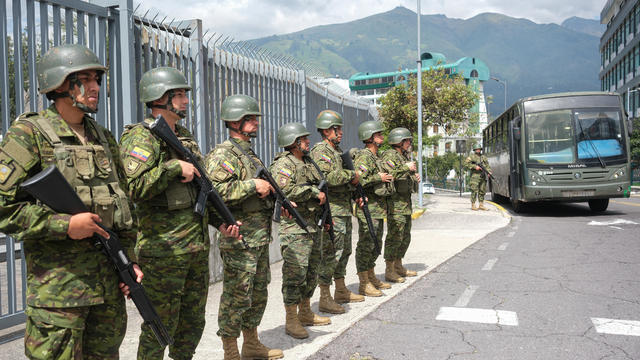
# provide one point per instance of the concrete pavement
(447, 227)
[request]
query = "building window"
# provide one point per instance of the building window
(474, 73)
(435, 129)
(447, 147)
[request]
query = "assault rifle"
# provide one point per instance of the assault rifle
(484, 170)
(326, 217)
(53, 190)
(161, 129)
(281, 199)
(347, 163)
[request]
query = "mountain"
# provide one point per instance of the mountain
(532, 58)
(587, 26)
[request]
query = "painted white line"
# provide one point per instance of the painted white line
(503, 247)
(511, 234)
(489, 265)
(484, 316)
(616, 227)
(616, 327)
(613, 222)
(466, 296)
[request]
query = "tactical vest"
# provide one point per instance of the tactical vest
(253, 203)
(404, 184)
(91, 172)
(305, 174)
(382, 188)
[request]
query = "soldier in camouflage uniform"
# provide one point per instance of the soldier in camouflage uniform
(231, 167)
(340, 181)
(173, 241)
(298, 178)
(377, 184)
(74, 308)
(478, 181)
(406, 180)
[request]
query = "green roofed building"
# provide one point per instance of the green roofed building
(473, 70)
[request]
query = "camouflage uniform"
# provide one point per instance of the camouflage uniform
(74, 306)
(368, 165)
(298, 179)
(173, 241)
(246, 271)
(478, 181)
(334, 265)
(398, 205)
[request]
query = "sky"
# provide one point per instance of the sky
(250, 19)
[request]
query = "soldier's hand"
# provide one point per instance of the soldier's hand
(418, 177)
(322, 197)
(385, 177)
(360, 202)
(286, 213)
(84, 225)
(412, 165)
(478, 168)
(188, 171)
(231, 230)
(263, 188)
(356, 179)
(125, 288)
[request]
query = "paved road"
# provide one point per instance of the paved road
(558, 283)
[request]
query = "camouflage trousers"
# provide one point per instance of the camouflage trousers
(301, 258)
(88, 332)
(478, 186)
(244, 289)
(398, 237)
(335, 259)
(365, 249)
(178, 287)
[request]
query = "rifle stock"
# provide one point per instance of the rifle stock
(53, 190)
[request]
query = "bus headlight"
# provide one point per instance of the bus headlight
(535, 177)
(619, 173)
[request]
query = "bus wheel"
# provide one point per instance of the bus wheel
(598, 205)
(516, 205)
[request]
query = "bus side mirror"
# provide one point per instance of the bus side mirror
(630, 126)
(516, 133)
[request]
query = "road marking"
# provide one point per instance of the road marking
(616, 227)
(613, 222)
(466, 296)
(616, 327)
(511, 234)
(503, 247)
(484, 316)
(625, 203)
(489, 265)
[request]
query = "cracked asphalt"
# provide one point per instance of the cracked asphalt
(554, 270)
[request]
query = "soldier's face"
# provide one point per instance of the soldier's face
(406, 145)
(334, 133)
(88, 91)
(251, 124)
(378, 138)
(478, 151)
(180, 99)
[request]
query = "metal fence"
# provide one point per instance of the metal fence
(130, 41)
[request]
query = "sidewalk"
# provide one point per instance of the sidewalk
(447, 227)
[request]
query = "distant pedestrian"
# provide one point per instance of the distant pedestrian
(478, 183)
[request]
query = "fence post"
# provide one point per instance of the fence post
(127, 68)
(200, 98)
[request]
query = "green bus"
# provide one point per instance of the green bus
(568, 147)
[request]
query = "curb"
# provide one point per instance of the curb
(504, 212)
(417, 213)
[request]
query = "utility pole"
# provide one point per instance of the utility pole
(419, 75)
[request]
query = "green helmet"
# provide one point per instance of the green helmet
(61, 61)
(288, 133)
(368, 128)
(477, 146)
(398, 134)
(156, 82)
(328, 118)
(235, 107)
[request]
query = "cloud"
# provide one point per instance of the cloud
(248, 19)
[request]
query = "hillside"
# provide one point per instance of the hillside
(533, 58)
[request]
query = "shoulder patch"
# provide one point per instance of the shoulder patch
(325, 158)
(285, 172)
(363, 168)
(391, 163)
(5, 172)
(132, 166)
(140, 153)
(227, 166)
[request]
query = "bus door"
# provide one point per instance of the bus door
(514, 152)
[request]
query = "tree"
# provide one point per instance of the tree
(440, 166)
(635, 144)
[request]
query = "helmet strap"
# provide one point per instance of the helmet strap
(239, 129)
(299, 146)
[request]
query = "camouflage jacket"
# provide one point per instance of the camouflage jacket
(61, 272)
(231, 173)
(167, 224)
(299, 181)
(475, 158)
(368, 165)
(396, 164)
(339, 179)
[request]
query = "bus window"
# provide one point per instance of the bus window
(550, 138)
(598, 133)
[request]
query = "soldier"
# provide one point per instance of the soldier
(340, 182)
(74, 308)
(231, 167)
(478, 181)
(299, 179)
(173, 241)
(377, 184)
(406, 180)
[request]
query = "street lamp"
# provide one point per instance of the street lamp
(629, 91)
(419, 98)
(504, 83)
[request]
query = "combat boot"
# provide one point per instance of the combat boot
(481, 206)
(473, 206)
(402, 271)
(308, 317)
(230, 347)
(366, 288)
(343, 295)
(390, 273)
(253, 349)
(376, 282)
(327, 304)
(292, 325)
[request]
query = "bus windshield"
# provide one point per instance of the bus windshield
(574, 136)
